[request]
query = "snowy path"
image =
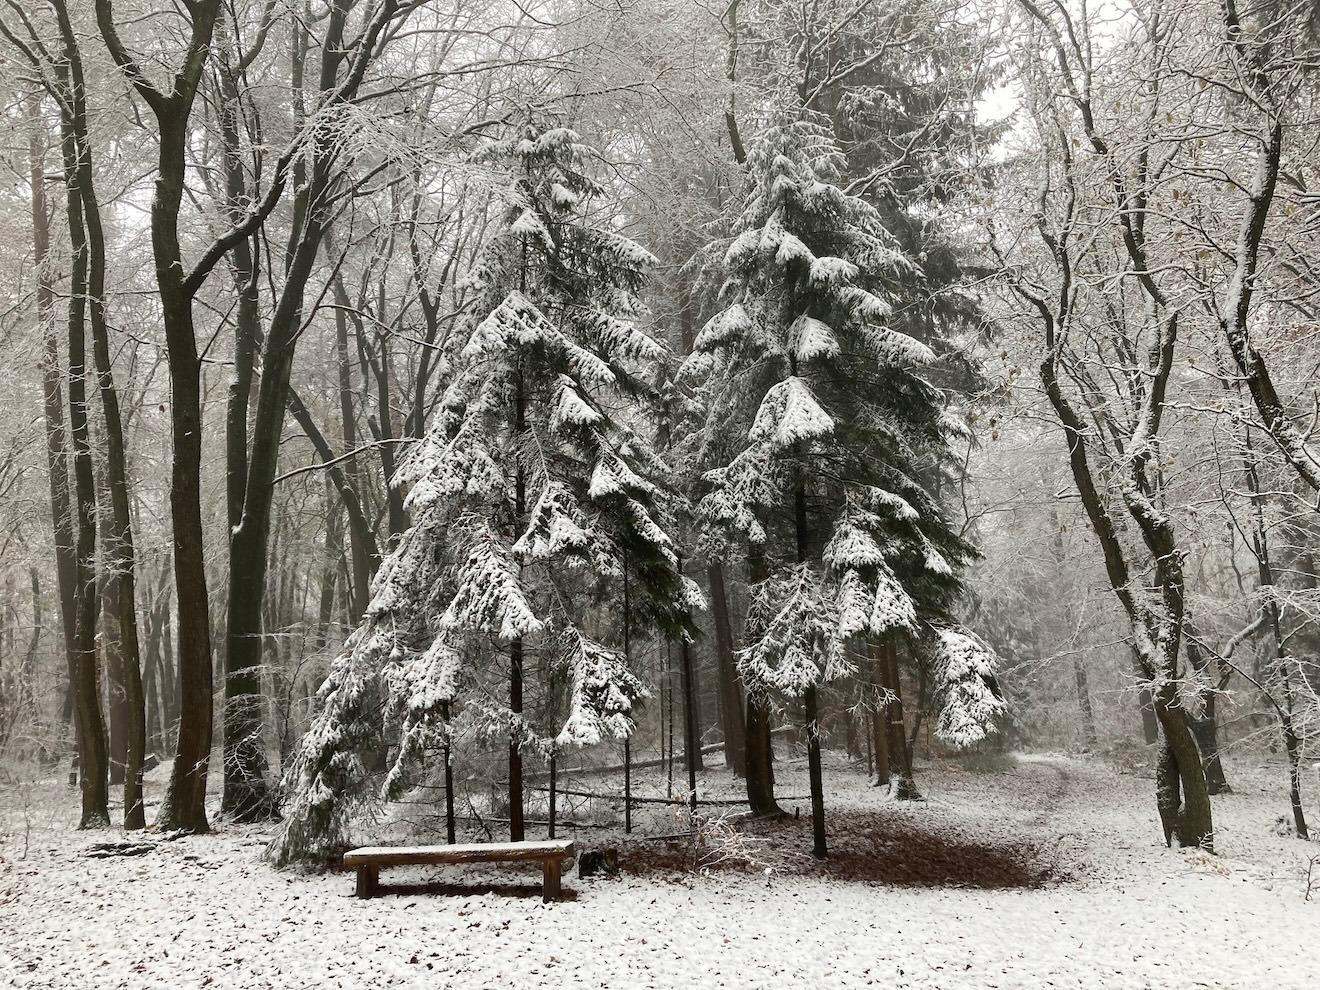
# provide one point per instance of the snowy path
(206, 912)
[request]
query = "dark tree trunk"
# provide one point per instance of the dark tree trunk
(691, 741)
(903, 785)
(880, 715)
(814, 772)
(1292, 744)
(733, 721)
(1182, 798)
(93, 755)
(248, 795)
(691, 708)
(516, 833)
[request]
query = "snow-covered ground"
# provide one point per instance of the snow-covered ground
(1049, 874)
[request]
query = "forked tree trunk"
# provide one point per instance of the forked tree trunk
(184, 805)
(128, 705)
(1182, 797)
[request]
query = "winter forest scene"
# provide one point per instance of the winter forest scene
(659, 493)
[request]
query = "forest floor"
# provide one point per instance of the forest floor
(1047, 873)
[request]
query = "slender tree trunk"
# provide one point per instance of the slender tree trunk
(113, 667)
(120, 552)
(691, 708)
(362, 555)
(1292, 744)
(1084, 704)
(449, 776)
(29, 675)
(516, 833)
(516, 647)
(334, 548)
(814, 772)
(692, 742)
(57, 451)
(93, 755)
(880, 714)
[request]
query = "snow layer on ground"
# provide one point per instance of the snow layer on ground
(207, 912)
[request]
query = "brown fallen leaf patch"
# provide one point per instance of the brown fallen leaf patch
(872, 847)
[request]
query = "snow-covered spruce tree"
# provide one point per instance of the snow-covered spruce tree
(530, 494)
(820, 429)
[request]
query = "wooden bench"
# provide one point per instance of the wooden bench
(552, 852)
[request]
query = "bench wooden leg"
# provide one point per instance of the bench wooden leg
(367, 876)
(550, 880)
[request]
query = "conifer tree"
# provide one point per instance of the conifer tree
(529, 494)
(819, 428)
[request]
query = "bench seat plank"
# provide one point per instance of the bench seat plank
(476, 852)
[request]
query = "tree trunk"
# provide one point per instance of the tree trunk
(1292, 744)
(1203, 723)
(93, 755)
(731, 709)
(1150, 726)
(362, 547)
(691, 740)
(248, 795)
(691, 708)
(903, 785)
(515, 742)
(1084, 704)
(760, 769)
(184, 804)
(57, 452)
(1181, 794)
(814, 774)
(116, 697)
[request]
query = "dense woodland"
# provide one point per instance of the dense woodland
(407, 400)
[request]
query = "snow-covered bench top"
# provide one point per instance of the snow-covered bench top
(551, 852)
